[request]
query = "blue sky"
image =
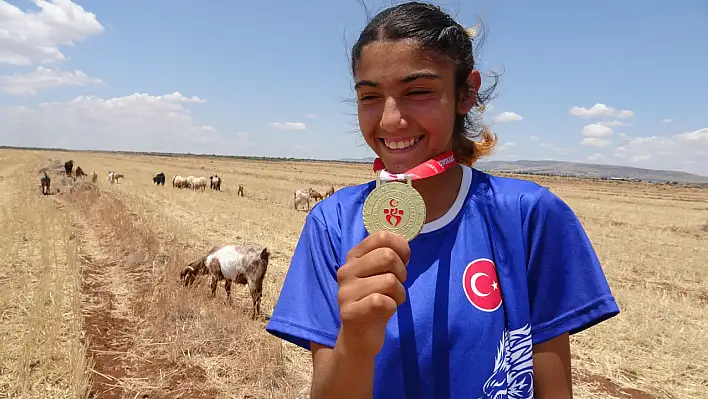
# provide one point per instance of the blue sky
(272, 78)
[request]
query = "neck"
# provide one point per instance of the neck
(439, 192)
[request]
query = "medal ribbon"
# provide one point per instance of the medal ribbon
(429, 168)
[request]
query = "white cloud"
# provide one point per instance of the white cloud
(669, 152)
(667, 120)
(43, 78)
(597, 157)
(595, 142)
(288, 125)
(531, 138)
(135, 122)
(506, 146)
(311, 116)
(507, 117)
(34, 37)
(597, 130)
(615, 123)
(600, 110)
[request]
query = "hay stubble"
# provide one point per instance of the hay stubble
(130, 240)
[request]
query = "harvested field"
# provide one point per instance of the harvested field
(91, 306)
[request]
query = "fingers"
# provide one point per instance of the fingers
(371, 307)
(382, 239)
(378, 261)
(384, 284)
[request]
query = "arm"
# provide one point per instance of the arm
(370, 290)
(336, 375)
(567, 289)
(551, 363)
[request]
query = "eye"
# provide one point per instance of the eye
(367, 97)
(419, 92)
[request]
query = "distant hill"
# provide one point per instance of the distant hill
(576, 169)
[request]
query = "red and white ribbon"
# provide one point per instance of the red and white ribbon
(429, 168)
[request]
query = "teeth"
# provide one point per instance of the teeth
(399, 145)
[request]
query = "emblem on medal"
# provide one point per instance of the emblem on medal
(395, 206)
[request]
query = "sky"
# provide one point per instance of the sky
(610, 82)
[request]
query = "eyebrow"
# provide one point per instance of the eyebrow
(407, 79)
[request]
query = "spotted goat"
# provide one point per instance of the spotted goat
(235, 264)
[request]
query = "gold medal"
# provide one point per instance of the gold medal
(396, 207)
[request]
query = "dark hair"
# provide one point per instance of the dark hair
(435, 30)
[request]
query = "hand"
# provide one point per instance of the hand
(370, 290)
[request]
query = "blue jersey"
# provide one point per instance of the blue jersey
(509, 266)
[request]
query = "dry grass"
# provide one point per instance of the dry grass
(41, 325)
(109, 257)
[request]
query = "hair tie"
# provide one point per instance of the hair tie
(472, 31)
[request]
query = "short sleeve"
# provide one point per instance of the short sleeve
(568, 290)
(307, 308)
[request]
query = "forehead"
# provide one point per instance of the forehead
(392, 60)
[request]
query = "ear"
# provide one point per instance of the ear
(265, 254)
(468, 99)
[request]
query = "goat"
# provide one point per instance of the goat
(215, 182)
(113, 177)
(45, 181)
(159, 179)
(235, 264)
(68, 167)
(329, 192)
(79, 172)
(316, 195)
(301, 197)
(94, 177)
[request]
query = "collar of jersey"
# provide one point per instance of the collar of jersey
(451, 213)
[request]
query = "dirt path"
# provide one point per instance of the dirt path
(117, 259)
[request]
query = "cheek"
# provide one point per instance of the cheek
(437, 120)
(369, 118)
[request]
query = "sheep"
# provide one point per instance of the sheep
(179, 181)
(200, 183)
(215, 182)
(301, 197)
(235, 264)
(45, 181)
(329, 192)
(68, 167)
(190, 181)
(94, 177)
(240, 190)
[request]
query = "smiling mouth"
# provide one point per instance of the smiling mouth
(400, 144)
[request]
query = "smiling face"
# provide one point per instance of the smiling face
(406, 102)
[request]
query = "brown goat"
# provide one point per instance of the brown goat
(235, 264)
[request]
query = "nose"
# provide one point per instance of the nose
(392, 119)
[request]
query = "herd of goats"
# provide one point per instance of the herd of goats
(233, 263)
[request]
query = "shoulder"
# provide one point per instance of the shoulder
(501, 191)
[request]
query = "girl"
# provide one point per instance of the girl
(481, 302)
